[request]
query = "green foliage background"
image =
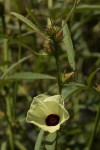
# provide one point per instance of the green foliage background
(26, 71)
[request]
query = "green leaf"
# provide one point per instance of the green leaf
(86, 7)
(91, 76)
(19, 145)
(25, 20)
(39, 140)
(33, 17)
(69, 46)
(29, 76)
(14, 65)
(50, 141)
(69, 89)
(4, 146)
(29, 23)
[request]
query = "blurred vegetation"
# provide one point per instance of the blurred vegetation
(21, 51)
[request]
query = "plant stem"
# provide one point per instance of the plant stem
(56, 55)
(7, 98)
(39, 140)
(19, 46)
(9, 106)
(95, 129)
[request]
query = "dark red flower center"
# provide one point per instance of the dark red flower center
(52, 120)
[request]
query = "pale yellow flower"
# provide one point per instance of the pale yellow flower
(47, 112)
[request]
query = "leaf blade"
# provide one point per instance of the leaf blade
(91, 76)
(69, 46)
(29, 23)
(14, 65)
(29, 76)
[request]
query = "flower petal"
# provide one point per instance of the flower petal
(53, 107)
(38, 99)
(42, 106)
(51, 129)
(64, 115)
(56, 98)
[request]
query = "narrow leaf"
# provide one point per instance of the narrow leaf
(39, 140)
(25, 20)
(29, 76)
(19, 145)
(33, 17)
(91, 76)
(14, 65)
(69, 46)
(71, 88)
(29, 23)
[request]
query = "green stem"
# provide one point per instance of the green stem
(39, 140)
(73, 11)
(8, 100)
(10, 117)
(56, 55)
(14, 100)
(95, 129)
(19, 47)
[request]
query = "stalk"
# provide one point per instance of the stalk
(56, 55)
(8, 100)
(59, 79)
(94, 129)
(19, 46)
